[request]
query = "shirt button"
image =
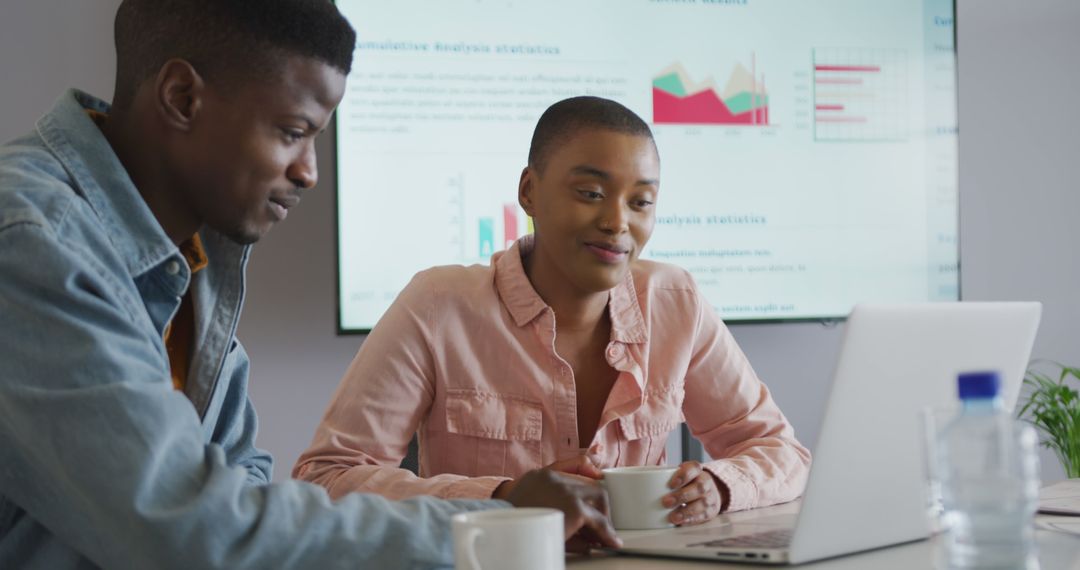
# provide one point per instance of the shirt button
(172, 267)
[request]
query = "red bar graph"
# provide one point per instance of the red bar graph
(510, 223)
(860, 94)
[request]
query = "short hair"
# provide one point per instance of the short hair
(570, 116)
(225, 38)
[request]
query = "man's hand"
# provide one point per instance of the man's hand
(584, 504)
(581, 467)
(698, 496)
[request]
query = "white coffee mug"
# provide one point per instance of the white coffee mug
(635, 494)
(524, 539)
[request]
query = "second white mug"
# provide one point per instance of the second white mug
(522, 539)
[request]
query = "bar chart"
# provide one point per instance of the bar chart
(486, 231)
(860, 95)
(480, 228)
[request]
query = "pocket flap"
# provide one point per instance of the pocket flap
(493, 416)
(659, 414)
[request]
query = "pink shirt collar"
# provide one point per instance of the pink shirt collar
(524, 303)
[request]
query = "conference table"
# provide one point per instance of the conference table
(1058, 550)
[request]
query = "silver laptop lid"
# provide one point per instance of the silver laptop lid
(866, 484)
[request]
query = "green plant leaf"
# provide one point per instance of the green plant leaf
(1052, 406)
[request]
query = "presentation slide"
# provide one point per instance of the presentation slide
(808, 147)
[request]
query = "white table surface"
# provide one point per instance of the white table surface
(1057, 551)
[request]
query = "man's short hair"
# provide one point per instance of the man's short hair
(570, 116)
(225, 39)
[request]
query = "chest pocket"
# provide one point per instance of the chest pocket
(646, 430)
(492, 434)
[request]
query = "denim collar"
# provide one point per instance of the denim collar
(98, 176)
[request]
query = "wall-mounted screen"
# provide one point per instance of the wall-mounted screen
(808, 147)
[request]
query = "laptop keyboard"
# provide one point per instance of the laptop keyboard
(777, 538)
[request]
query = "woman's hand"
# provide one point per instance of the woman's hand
(697, 496)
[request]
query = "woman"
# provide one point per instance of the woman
(566, 351)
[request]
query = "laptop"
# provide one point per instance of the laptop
(866, 488)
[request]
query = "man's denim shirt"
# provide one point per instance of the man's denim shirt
(102, 463)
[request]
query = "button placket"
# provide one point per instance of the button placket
(565, 392)
(568, 403)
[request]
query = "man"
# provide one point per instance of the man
(126, 433)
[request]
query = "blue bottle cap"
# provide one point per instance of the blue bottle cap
(979, 385)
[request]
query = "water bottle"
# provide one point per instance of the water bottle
(989, 477)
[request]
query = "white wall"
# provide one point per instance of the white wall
(1020, 161)
(47, 46)
(1020, 165)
